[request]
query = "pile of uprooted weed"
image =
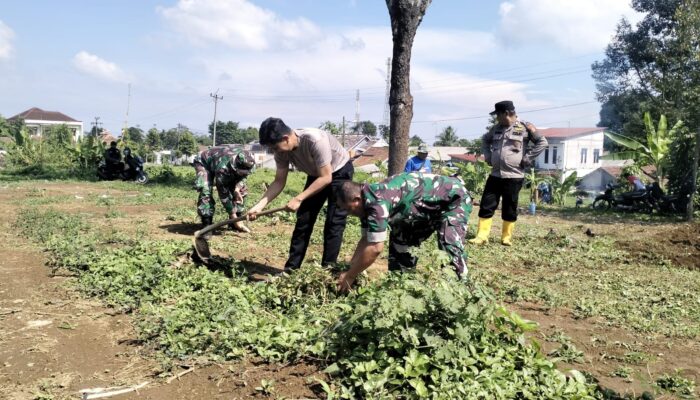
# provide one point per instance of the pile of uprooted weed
(416, 335)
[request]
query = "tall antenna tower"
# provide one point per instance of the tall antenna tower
(126, 117)
(357, 112)
(388, 90)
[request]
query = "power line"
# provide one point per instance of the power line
(519, 112)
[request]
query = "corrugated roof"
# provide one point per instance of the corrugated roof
(35, 113)
(466, 157)
(567, 132)
(371, 155)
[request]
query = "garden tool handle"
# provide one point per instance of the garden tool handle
(211, 227)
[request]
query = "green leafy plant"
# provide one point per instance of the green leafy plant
(656, 149)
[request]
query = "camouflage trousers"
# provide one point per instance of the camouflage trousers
(205, 201)
(451, 228)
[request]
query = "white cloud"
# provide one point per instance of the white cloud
(306, 91)
(6, 38)
(98, 67)
(578, 26)
(238, 24)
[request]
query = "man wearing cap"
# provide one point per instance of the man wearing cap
(510, 147)
(225, 167)
(327, 164)
(419, 162)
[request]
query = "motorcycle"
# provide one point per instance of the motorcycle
(130, 171)
(638, 201)
(661, 202)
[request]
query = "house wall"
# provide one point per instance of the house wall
(569, 157)
(596, 180)
(38, 127)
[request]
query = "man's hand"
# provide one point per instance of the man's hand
(294, 204)
(253, 212)
(345, 282)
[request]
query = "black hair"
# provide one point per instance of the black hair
(272, 130)
(348, 190)
(113, 144)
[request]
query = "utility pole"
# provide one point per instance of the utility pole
(385, 121)
(357, 112)
(216, 98)
(343, 132)
(97, 124)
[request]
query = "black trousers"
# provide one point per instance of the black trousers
(306, 218)
(497, 188)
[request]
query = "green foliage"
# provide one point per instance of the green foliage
(412, 335)
(330, 127)
(533, 180)
(562, 188)
(187, 144)
(448, 137)
(366, 127)
(656, 149)
(415, 141)
(474, 175)
(231, 133)
(677, 384)
(153, 140)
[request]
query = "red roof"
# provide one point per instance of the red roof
(41, 115)
(371, 155)
(567, 132)
(466, 157)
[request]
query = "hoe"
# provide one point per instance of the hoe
(201, 245)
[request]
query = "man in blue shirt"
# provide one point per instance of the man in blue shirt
(419, 162)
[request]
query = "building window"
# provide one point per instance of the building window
(596, 156)
(584, 156)
(546, 155)
(554, 155)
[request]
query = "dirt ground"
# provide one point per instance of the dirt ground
(53, 342)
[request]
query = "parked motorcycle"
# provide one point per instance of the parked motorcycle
(638, 201)
(662, 202)
(129, 171)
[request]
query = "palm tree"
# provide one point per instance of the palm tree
(448, 137)
(656, 150)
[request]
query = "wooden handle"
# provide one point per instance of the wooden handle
(211, 227)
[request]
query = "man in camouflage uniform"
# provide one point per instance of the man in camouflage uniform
(414, 206)
(225, 167)
(505, 148)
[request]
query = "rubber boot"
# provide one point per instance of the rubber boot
(483, 230)
(507, 233)
(206, 221)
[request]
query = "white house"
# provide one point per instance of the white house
(39, 122)
(263, 155)
(571, 149)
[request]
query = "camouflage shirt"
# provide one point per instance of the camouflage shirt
(409, 199)
(225, 166)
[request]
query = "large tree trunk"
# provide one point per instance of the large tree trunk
(405, 15)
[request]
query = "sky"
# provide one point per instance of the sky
(157, 62)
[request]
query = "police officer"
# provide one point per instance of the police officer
(414, 206)
(225, 167)
(510, 147)
(327, 164)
